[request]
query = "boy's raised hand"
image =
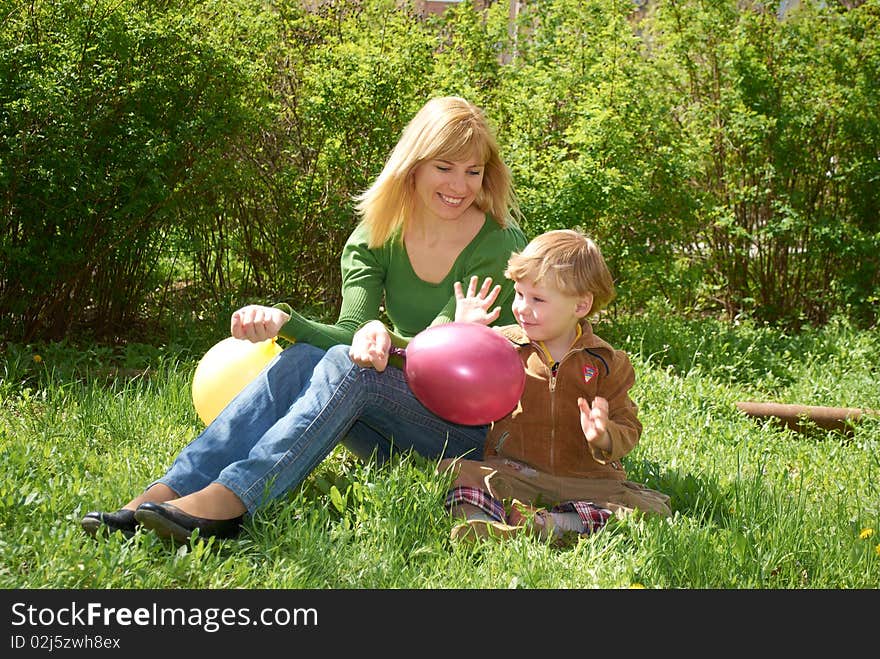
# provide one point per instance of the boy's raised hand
(370, 346)
(474, 307)
(594, 421)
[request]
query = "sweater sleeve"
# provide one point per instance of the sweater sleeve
(624, 426)
(363, 282)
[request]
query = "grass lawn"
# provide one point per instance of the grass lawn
(756, 505)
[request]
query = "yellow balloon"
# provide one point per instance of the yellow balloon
(225, 370)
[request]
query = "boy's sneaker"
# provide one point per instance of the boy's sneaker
(479, 529)
(537, 521)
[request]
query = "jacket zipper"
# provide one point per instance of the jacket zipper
(554, 370)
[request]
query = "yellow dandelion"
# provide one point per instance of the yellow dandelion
(877, 550)
(636, 586)
(866, 533)
(37, 359)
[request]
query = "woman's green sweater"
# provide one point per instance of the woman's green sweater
(383, 277)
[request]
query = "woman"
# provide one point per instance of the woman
(442, 210)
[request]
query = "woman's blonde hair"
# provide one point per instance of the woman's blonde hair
(567, 260)
(449, 128)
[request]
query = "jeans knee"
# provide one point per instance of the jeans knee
(292, 368)
(302, 353)
(339, 354)
(337, 359)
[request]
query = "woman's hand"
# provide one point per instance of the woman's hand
(594, 422)
(257, 323)
(370, 346)
(474, 307)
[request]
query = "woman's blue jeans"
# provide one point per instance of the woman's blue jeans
(284, 423)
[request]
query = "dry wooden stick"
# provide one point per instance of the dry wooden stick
(797, 417)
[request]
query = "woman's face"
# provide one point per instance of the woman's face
(447, 188)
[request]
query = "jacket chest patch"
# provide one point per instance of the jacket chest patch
(589, 372)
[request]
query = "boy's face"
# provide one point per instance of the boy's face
(545, 313)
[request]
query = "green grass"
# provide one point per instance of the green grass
(756, 506)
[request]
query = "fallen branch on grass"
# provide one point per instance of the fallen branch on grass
(800, 417)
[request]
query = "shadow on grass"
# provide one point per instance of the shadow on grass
(689, 495)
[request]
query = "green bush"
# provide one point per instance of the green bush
(166, 162)
(105, 109)
(767, 108)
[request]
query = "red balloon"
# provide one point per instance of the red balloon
(465, 373)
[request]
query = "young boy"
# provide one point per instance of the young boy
(552, 466)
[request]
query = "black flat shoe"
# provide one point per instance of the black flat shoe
(106, 523)
(171, 522)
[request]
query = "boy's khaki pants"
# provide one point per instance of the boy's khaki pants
(506, 479)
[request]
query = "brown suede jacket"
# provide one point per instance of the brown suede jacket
(544, 431)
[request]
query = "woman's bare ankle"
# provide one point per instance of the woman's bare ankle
(212, 502)
(158, 493)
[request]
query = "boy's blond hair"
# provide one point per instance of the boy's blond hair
(448, 128)
(567, 260)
